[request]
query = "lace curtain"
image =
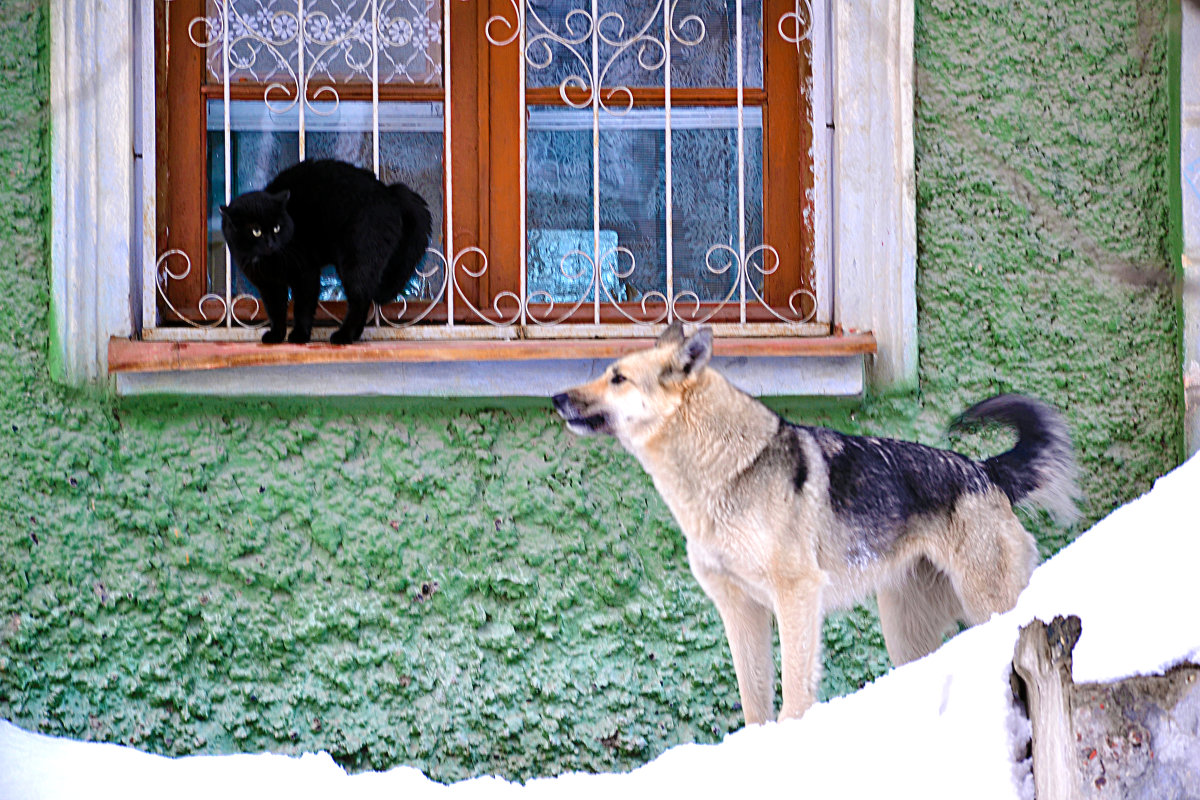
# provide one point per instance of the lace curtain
(338, 41)
(630, 50)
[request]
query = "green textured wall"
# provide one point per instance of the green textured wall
(470, 590)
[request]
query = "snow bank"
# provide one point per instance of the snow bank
(942, 727)
(1134, 580)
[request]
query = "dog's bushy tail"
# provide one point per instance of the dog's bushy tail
(1039, 471)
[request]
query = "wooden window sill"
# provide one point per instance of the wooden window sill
(827, 365)
(136, 356)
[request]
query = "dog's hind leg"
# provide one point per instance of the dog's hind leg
(916, 611)
(748, 629)
(991, 561)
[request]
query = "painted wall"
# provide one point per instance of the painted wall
(467, 589)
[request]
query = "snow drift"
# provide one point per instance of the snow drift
(941, 727)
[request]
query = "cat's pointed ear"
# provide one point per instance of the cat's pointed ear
(224, 211)
(284, 196)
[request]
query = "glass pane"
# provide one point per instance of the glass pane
(339, 40)
(705, 167)
(630, 48)
(559, 207)
(264, 143)
(633, 201)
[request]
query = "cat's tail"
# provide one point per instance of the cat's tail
(418, 225)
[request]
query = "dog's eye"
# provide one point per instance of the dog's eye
(617, 379)
(256, 232)
(276, 230)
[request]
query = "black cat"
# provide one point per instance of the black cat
(326, 212)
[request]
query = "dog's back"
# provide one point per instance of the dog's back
(878, 487)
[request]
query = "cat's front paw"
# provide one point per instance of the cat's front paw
(342, 337)
(273, 336)
(298, 336)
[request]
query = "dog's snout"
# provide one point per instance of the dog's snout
(561, 403)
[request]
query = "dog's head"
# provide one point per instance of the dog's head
(639, 391)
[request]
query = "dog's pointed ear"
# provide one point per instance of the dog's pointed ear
(672, 335)
(693, 353)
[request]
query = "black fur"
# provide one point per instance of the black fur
(326, 212)
(800, 464)
(891, 480)
(784, 451)
(878, 485)
(1043, 447)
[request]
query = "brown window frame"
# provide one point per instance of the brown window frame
(485, 113)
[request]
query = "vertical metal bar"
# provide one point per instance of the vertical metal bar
(741, 154)
(228, 156)
(375, 86)
(378, 309)
(670, 222)
(301, 78)
(596, 162)
(829, 13)
(522, 133)
(448, 159)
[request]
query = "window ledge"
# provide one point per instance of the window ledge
(827, 365)
(125, 355)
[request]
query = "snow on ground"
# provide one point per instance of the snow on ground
(942, 727)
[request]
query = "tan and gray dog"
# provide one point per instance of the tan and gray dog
(789, 521)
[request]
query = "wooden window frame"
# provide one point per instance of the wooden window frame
(485, 110)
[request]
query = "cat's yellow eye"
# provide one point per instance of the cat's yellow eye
(256, 232)
(276, 229)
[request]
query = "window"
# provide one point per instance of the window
(682, 187)
(113, 255)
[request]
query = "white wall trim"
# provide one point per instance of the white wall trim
(874, 179)
(1189, 163)
(809, 376)
(91, 182)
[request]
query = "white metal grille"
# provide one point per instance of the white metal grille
(590, 49)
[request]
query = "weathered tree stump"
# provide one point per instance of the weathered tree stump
(1132, 739)
(1043, 661)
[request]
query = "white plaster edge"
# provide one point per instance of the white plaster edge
(91, 181)
(1189, 163)
(874, 179)
(821, 97)
(840, 376)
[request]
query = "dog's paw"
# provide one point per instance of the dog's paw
(299, 337)
(273, 336)
(341, 337)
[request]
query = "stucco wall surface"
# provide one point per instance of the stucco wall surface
(468, 589)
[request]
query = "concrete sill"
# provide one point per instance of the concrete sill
(827, 366)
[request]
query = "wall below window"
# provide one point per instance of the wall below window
(464, 587)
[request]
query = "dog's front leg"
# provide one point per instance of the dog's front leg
(798, 608)
(748, 629)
